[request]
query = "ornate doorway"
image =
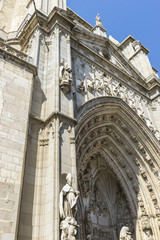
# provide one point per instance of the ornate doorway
(118, 169)
(104, 201)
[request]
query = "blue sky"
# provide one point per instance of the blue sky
(121, 18)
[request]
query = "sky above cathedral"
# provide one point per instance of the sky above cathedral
(121, 18)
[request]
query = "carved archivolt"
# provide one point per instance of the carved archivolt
(130, 155)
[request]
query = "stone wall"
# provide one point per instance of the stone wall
(15, 98)
(10, 10)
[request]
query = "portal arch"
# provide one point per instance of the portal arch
(108, 129)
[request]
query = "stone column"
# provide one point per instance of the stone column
(56, 137)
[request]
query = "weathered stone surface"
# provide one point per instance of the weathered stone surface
(73, 100)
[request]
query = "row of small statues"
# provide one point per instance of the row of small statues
(68, 209)
(65, 85)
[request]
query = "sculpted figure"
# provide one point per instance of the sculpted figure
(99, 87)
(68, 228)
(116, 89)
(65, 77)
(98, 21)
(107, 85)
(68, 208)
(68, 199)
(125, 234)
(80, 86)
(90, 85)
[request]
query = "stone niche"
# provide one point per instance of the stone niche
(104, 205)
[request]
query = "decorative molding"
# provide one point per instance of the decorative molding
(7, 52)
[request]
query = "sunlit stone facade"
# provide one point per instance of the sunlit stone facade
(74, 100)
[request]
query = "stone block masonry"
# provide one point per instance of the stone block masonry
(15, 96)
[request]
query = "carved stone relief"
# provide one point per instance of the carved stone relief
(104, 202)
(106, 143)
(80, 86)
(100, 83)
(65, 78)
(45, 133)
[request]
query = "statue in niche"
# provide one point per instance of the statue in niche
(125, 234)
(99, 87)
(98, 21)
(116, 89)
(124, 94)
(65, 78)
(107, 85)
(68, 199)
(90, 85)
(68, 209)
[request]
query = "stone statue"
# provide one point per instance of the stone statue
(65, 78)
(98, 21)
(68, 199)
(68, 209)
(68, 228)
(125, 234)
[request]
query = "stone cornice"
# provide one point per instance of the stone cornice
(10, 53)
(53, 116)
(81, 20)
(128, 63)
(130, 38)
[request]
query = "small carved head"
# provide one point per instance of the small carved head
(148, 232)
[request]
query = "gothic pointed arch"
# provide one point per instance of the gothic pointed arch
(118, 169)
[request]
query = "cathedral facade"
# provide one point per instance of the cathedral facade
(79, 129)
